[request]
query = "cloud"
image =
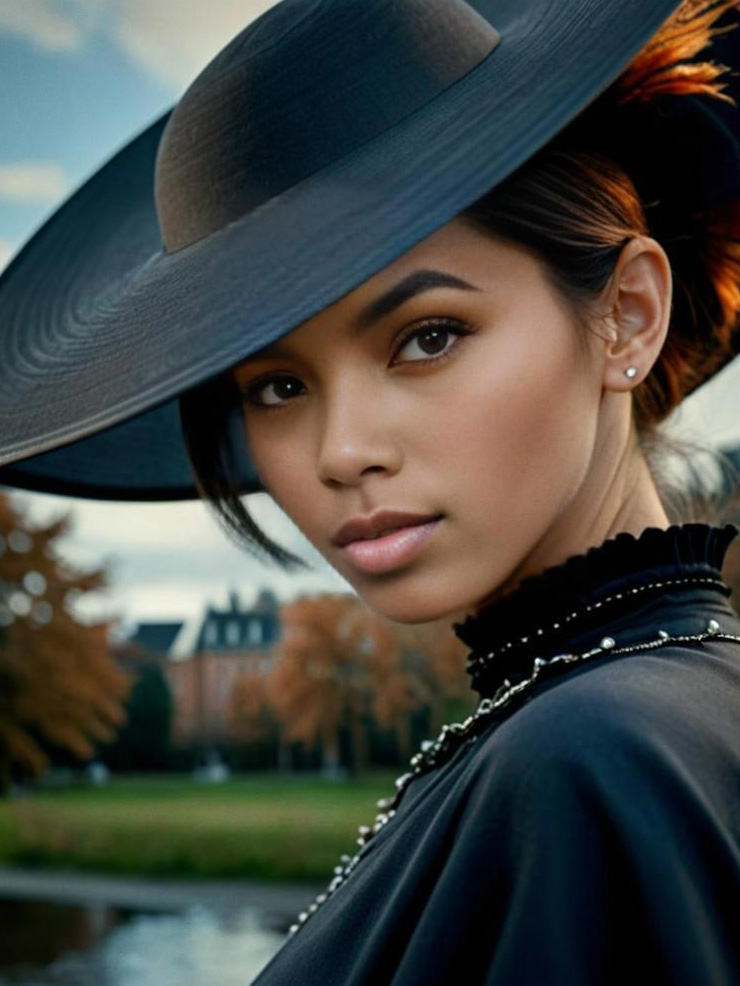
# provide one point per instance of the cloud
(185, 526)
(171, 39)
(175, 39)
(50, 25)
(37, 182)
(168, 560)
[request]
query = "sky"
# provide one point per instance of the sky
(80, 78)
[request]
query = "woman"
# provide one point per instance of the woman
(457, 401)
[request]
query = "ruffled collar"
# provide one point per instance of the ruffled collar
(589, 590)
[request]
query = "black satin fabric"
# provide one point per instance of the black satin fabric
(591, 835)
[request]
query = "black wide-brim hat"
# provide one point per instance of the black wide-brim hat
(325, 140)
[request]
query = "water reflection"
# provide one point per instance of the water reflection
(35, 932)
(60, 945)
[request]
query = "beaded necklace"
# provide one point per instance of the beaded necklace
(454, 735)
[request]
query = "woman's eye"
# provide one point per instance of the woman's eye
(432, 338)
(283, 387)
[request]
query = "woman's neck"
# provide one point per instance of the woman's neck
(629, 502)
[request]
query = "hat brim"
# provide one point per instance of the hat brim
(101, 329)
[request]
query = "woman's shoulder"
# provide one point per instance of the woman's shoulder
(622, 726)
(604, 810)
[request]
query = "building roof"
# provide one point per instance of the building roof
(157, 638)
(215, 630)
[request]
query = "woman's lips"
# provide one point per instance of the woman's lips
(385, 553)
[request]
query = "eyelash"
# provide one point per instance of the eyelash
(451, 326)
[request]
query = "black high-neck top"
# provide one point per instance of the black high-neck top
(558, 609)
(590, 834)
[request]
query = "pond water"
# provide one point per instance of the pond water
(44, 944)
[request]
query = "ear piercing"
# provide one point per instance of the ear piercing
(630, 371)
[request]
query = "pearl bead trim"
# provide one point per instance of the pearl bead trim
(452, 737)
(474, 660)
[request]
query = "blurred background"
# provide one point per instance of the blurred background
(188, 739)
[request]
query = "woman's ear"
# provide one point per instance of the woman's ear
(638, 304)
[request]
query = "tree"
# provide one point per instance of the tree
(337, 664)
(253, 721)
(439, 667)
(143, 743)
(59, 682)
(250, 713)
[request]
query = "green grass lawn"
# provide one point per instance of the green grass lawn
(261, 826)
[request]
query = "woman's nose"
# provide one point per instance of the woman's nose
(358, 435)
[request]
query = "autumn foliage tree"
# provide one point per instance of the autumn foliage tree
(439, 667)
(59, 684)
(337, 664)
(250, 714)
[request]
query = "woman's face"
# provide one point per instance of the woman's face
(449, 385)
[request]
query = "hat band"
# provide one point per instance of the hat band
(300, 88)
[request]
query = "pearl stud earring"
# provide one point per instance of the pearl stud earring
(630, 371)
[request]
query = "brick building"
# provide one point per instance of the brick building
(204, 656)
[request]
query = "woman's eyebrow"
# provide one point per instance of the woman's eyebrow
(413, 284)
(418, 281)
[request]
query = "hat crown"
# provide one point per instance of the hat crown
(300, 87)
